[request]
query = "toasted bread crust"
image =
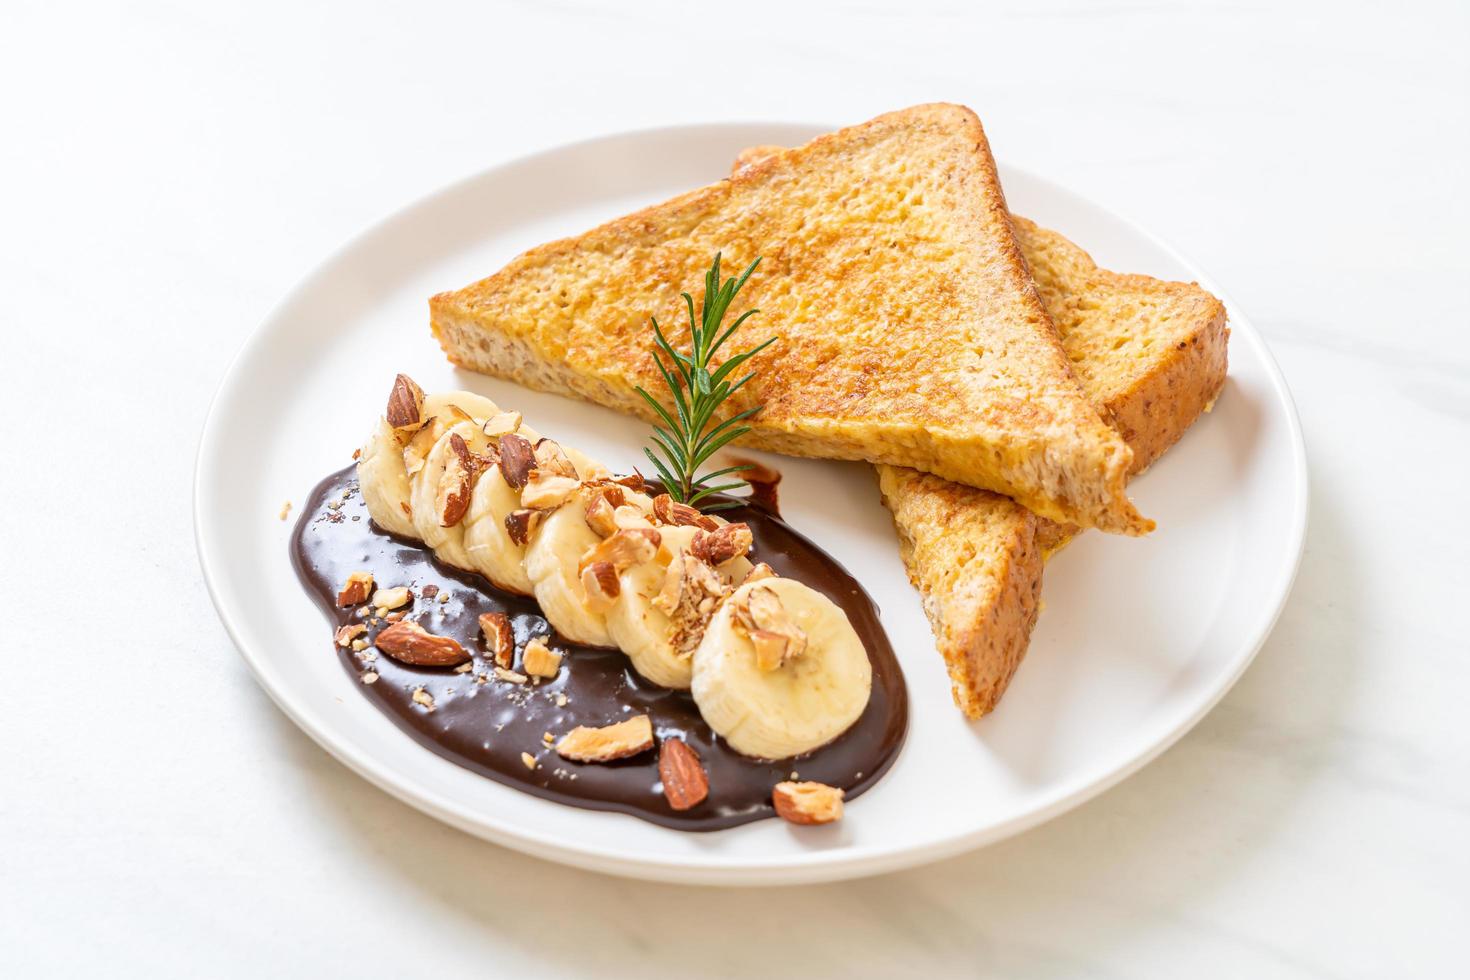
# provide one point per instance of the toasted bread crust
(976, 559)
(946, 362)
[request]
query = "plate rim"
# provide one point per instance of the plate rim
(814, 866)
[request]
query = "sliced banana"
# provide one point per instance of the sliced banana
(645, 632)
(384, 481)
(381, 472)
(552, 559)
(797, 707)
(487, 543)
(424, 494)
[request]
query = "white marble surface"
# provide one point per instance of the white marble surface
(168, 170)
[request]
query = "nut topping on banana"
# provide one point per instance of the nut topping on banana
(800, 695)
(775, 667)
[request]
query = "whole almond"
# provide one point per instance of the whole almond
(405, 403)
(410, 643)
(684, 779)
(517, 459)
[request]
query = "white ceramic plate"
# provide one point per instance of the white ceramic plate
(1138, 640)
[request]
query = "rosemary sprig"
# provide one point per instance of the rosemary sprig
(686, 440)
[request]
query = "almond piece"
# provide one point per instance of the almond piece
(457, 415)
(600, 580)
(619, 741)
(760, 612)
(356, 589)
(386, 599)
(517, 459)
(348, 633)
(759, 572)
(552, 460)
(635, 482)
(502, 424)
(452, 499)
(690, 594)
(417, 450)
(405, 403)
(521, 524)
(545, 490)
(626, 548)
(600, 517)
(669, 511)
(807, 803)
(685, 782)
(500, 639)
(539, 660)
(612, 493)
(410, 643)
(724, 544)
(770, 650)
(628, 516)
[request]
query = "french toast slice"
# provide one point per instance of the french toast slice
(1151, 354)
(910, 331)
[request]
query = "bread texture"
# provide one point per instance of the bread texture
(1153, 356)
(910, 331)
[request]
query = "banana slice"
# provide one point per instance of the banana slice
(488, 545)
(384, 481)
(552, 557)
(426, 494)
(798, 706)
(644, 631)
(381, 473)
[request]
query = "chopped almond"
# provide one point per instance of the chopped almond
(619, 741)
(502, 424)
(600, 581)
(356, 589)
(624, 549)
(500, 640)
(807, 803)
(385, 599)
(600, 517)
(539, 660)
(725, 544)
(552, 460)
(521, 524)
(545, 489)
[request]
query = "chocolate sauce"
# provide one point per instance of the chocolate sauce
(763, 482)
(485, 724)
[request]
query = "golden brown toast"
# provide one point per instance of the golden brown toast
(1151, 353)
(910, 330)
